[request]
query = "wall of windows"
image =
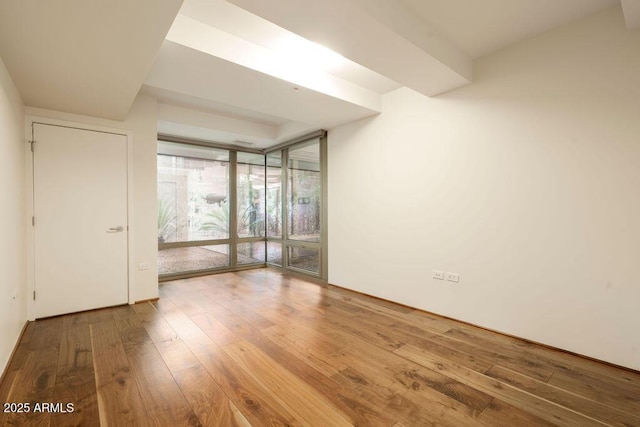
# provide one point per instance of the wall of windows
(221, 209)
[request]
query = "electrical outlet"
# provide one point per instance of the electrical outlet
(143, 266)
(438, 274)
(453, 277)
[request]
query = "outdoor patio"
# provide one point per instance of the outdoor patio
(197, 258)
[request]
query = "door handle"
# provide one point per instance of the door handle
(117, 229)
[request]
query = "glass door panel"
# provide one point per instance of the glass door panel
(304, 191)
(251, 194)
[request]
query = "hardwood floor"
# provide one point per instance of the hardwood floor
(255, 348)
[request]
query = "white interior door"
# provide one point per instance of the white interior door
(80, 207)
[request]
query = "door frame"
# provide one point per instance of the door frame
(29, 193)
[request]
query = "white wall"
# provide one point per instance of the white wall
(13, 313)
(141, 120)
(526, 183)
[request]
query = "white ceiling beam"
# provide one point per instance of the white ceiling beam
(197, 35)
(244, 130)
(631, 10)
(381, 35)
(196, 74)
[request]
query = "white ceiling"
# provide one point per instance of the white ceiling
(482, 27)
(258, 71)
(80, 56)
(631, 9)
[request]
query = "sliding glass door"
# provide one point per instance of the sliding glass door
(296, 207)
(224, 209)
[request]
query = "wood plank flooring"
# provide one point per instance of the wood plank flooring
(256, 348)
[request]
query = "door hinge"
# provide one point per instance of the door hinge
(34, 295)
(33, 221)
(33, 146)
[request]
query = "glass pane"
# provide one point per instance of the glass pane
(251, 158)
(192, 193)
(274, 253)
(274, 195)
(251, 253)
(250, 190)
(304, 192)
(304, 259)
(275, 159)
(193, 258)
